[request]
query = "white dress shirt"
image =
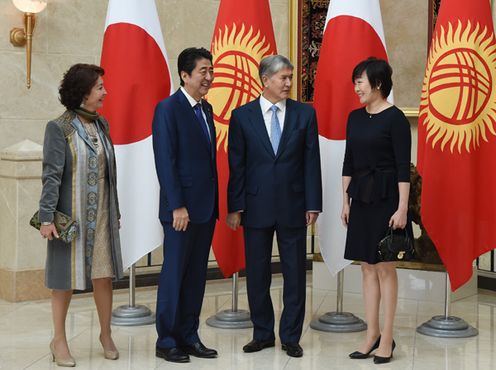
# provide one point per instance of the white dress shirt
(267, 113)
(193, 102)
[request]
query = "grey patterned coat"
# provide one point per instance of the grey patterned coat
(69, 179)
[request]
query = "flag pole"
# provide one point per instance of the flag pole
(447, 326)
(233, 318)
(339, 321)
(130, 314)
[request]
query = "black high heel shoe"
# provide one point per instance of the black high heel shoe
(360, 356)
(384, 360)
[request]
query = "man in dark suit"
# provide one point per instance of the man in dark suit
(184, 147)
(274, 186)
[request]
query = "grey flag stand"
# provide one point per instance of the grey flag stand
(234, 318)
(447, 326)
(339, 321)
(132, 315)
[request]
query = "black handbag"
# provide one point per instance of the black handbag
(396, 247)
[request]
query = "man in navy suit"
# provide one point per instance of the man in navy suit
(184, 147)
(274, 186)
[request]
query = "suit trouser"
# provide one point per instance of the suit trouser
(182, 283)
(292, 251)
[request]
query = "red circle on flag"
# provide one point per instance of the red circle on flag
(136, 79)
(347, 41)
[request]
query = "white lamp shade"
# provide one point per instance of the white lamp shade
(30, 6)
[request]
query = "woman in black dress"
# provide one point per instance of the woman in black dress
(376, 177)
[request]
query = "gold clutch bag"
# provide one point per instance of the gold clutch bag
(67, 228)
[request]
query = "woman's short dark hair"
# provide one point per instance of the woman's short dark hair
(78, 82)
(186, 61)
(378, 72)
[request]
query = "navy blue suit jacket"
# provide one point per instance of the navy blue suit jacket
(185, 161)
(274, 188)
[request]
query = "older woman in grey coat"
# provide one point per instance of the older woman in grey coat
(79, 179)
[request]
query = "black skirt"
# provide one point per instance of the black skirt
(368, 224)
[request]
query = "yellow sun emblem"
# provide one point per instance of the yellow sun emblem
(458, 102)
(236, 57)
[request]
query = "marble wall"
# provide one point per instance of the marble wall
(22, 251)
(69, 32)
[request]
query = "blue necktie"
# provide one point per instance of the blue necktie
(275, 129)
(203, 124)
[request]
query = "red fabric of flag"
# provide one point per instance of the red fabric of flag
(136, 77)
(243, 35)
(457, 136)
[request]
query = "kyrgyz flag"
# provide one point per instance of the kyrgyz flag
(353, 33)
(136, 78)
(456, 139)
(243, 35)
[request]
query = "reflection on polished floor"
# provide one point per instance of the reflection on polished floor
(25, 331)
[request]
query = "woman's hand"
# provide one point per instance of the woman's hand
(345, 214)
(49, 231)
(398, 219)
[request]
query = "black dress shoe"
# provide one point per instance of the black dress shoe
(171, 354)
(258, 345)
(359, 355)
(384, 360)
(199, 350)
(292, 349)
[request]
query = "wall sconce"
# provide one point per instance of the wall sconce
(24, 36)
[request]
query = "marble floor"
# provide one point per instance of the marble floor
(25, 331)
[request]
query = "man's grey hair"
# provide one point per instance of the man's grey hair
(272, 64)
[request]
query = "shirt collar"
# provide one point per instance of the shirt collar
(191, 100)
(266, 104)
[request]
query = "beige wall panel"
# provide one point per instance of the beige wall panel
(7, 288)
(8, 207)
(74, 27)
(405, 28)
(12, 129)
(31, 248)
(41, 101)
(9, 17)
(280, 17)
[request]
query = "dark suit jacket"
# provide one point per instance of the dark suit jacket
(185, 161)
(272, 188)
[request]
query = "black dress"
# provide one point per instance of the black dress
(377, 157)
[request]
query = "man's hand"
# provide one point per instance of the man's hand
(233, 220)
(311, 217)
(180, 219)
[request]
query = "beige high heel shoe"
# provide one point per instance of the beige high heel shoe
(109, 354)
(64, 362)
